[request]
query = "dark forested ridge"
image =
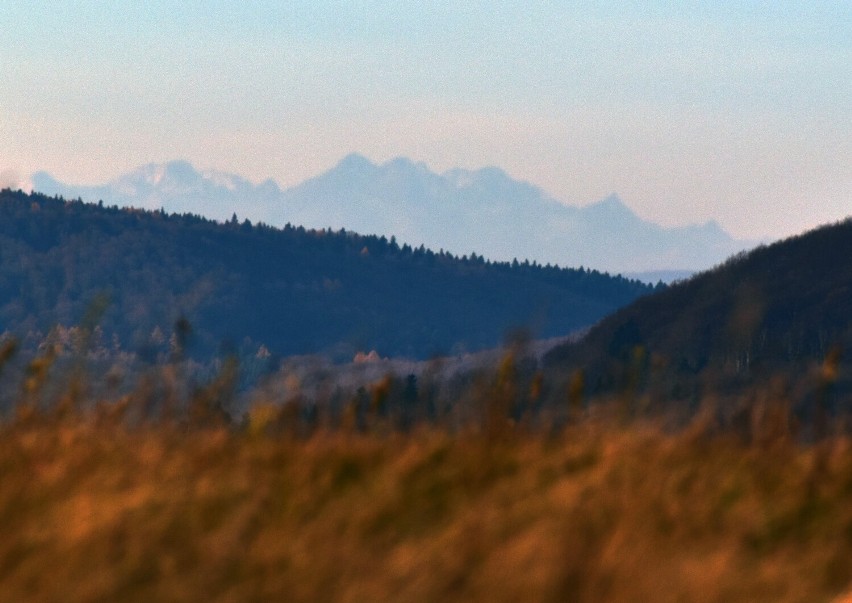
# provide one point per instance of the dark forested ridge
(783, 309)
(291, 290)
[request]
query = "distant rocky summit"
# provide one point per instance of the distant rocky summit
(485, 212)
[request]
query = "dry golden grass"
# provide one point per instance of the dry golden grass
(94, 510)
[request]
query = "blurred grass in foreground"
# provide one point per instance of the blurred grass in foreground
(94, 507)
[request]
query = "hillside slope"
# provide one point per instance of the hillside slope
(785, 308)
(293, 291)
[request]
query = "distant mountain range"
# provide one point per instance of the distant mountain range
(461, 211)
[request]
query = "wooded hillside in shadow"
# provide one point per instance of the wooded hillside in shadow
(293, 291)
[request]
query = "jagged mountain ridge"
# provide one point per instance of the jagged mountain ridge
(462, 211)
(175, 186)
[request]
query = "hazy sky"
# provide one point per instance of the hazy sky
(735, 111)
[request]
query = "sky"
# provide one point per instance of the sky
(740, 112)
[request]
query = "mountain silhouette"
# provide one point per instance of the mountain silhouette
(779, 310)
(483, 211)
(290, 290)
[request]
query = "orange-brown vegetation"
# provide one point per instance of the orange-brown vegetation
(105, 505)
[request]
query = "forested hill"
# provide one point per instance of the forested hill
(781, 309)
(291, 290)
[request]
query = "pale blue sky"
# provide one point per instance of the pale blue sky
(690, 110)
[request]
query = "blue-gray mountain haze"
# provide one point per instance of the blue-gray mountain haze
(461, 211)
